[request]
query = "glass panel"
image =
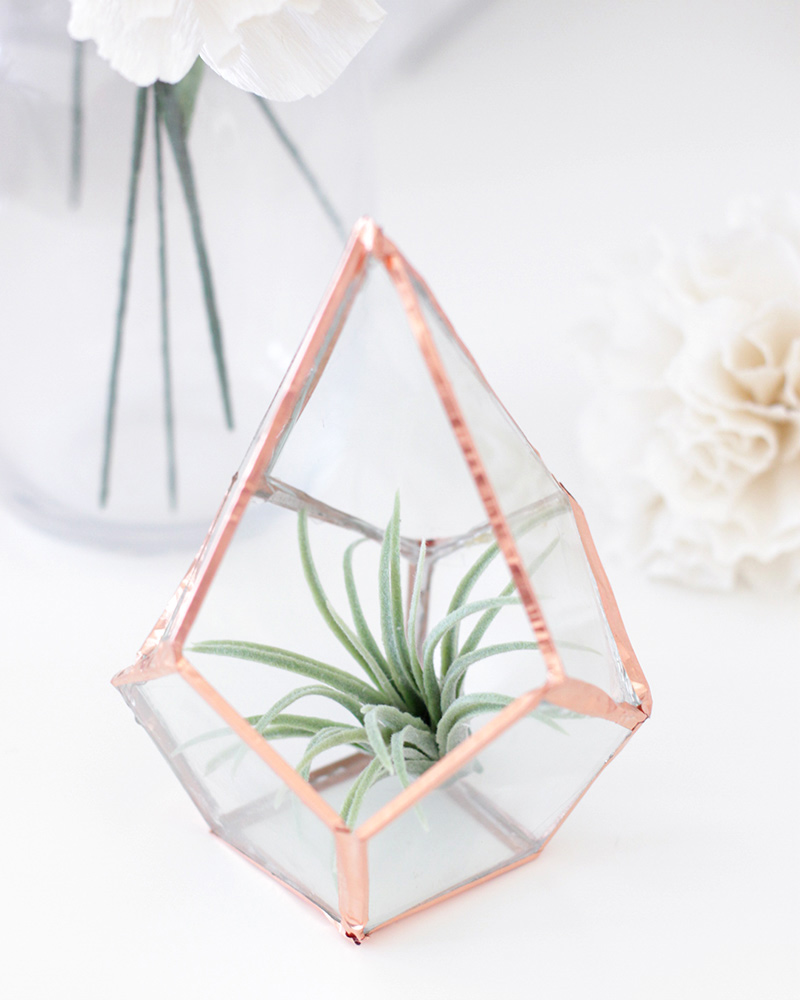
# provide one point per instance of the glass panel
(375, 426)
(502, 809)
(540, 517)
(274, 184)
(239, 795)
(374, 430)
(363, 620)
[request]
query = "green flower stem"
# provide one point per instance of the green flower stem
(302, 166)
(124, 282)
(76, 133)
(176, 125)
(169, 424)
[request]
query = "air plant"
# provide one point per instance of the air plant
(406, 713)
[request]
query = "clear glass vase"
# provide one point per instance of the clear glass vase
(396, 664)
(152, 278)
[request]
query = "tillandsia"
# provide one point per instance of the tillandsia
(407, 701)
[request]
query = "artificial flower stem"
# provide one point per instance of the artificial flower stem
(169, 424)
(124, 282)
(76, 136)
(176, 130)
(302, 166)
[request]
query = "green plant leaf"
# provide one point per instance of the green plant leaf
(234, 754)
(474, 638)
(353, 705)
(308, 723)
(548, 714)
(465, 708)
(332, 619)
(450, 643)
(392, 720)
(460, 595)
(396, 589)
(363, 630)
(462, 663)
(327, 739)
(400, 762)
(439, 631)
(388, 615)
(420, 744)
(283, 659)
(411, 717)
(396, 748)
(411, 635)
(354, 799)
(291, 726)
(377, 740)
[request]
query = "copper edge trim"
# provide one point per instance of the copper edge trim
(578, 696)
(149, 666)
(449, 894)
(318, 906)
(450, 764)
(256, 742)
(158, 657)
(611, 609)
(443, 897)
(155, 657)
(396, 266)
(588, 699)
(161, 653)
(351, 864)
(300, 379)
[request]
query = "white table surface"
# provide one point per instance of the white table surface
(535, 143)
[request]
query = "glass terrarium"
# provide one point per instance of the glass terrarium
(396, 663)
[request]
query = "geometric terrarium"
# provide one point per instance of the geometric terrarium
(395, 664)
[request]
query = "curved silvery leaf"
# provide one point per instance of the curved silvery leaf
(279, 49)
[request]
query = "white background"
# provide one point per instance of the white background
(518, 150)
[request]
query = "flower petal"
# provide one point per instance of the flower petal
(298, 51)
(280, 49)
(144, 40)
(696, 419)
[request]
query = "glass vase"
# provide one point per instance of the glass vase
(396, 663)
(152, 276)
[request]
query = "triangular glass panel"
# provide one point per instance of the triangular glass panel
(396, 663)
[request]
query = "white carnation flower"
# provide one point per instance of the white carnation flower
(280, 49)
(695, 424)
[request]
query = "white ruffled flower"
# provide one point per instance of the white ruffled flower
(695, 424)
(280, 49)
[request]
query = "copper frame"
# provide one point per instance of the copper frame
(162, 652)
